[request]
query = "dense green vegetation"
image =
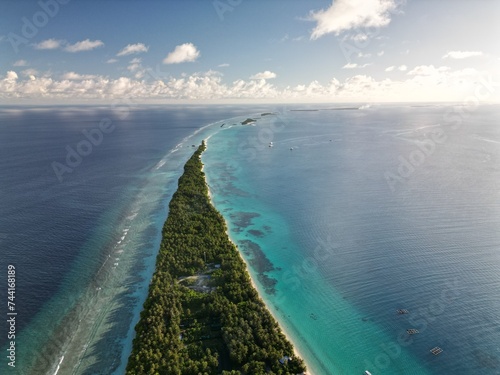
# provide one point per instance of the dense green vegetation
(248, 121)
(213, 322)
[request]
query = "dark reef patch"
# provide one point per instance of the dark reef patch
(243, 219)
(260, 263)
(256, 233)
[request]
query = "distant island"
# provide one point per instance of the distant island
(202, 314)
(325, 109)
(248, 121)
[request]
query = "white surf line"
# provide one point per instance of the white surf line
(100, 268)
(59, 365)
(479, 138)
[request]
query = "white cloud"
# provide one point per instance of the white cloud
(401, 68)
(462, 54)
(49, 44)
(186, 52)
(133, 48)
(225, 65)
(365, 55)
(424, 83)
(20, 63)
(381, 53)
(354, 66)
(72, 76)
(11, 76)
(350, 66)
(30, 72)
(84, 45)
(111, 61)
(136, 67)
(427, 70)
(359, 38)
(264, 75)
(135, 64)
(345, 15)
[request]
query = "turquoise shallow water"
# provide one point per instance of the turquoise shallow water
(336, 246)
(84, 247)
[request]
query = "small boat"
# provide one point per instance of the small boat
(402, 311)
(412, 331)
(368, 372)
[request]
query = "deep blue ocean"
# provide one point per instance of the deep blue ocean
(343, 216)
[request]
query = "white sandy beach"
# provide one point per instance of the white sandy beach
(254, 285)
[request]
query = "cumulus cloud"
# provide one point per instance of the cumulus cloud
(136, 67)
(424, 82)
(264, 75)
(186, 52)
(132, 49)
(390, 68)
(134, 64)
(345, 15)
(49, 44)
(30, 72)
(402, 68)
(11, 76)
(72, 76)
(20, 63)
(111, 61)
(462, 54)
(84, 45)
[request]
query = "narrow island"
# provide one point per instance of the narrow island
(248, 121)
(202, 314)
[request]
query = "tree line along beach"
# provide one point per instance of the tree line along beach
(202, 314)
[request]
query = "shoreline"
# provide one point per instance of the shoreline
(194, 234)
(285, 332)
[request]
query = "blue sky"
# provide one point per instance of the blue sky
(62, 51)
